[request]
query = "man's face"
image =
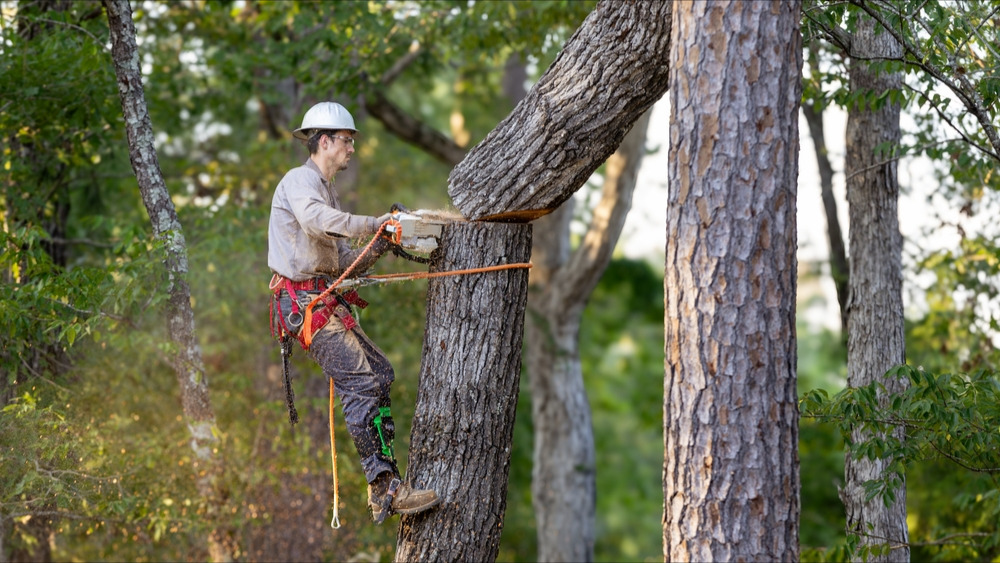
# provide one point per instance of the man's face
(337, 149)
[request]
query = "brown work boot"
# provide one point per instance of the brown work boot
(388, 495)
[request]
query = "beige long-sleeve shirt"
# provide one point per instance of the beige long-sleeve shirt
(308, 233)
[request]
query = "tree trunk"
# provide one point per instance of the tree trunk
(187, 361)
(875, 307)
(563, 484)
(731, 481)
(463, 420)
(608, 74)
(839, 270)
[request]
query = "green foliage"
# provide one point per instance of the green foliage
(949, 420)
(621, 352)
(821, 365)
(224, 83)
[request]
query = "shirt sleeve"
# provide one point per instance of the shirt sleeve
(317, 217)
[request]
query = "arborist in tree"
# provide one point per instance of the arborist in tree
(308, 250)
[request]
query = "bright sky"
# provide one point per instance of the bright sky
(644, 235)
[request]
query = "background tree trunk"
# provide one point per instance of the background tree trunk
(609, 73)
(463, 421)
(875, 307)
(563, 483)
(839, 270)
(731, 479)
(187, 360)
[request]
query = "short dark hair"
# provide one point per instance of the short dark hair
(313, 142)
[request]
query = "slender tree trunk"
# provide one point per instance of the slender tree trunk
(563, 485)
(464, 416)
(731, 483)
(167, 228)
(875, 307)
(839, 270)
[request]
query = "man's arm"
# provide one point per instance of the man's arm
(318, 218)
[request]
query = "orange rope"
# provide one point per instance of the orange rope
(335, 523)
(307, 335)
(423, 275)
(396, 237)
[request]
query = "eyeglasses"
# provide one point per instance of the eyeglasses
(348, 140)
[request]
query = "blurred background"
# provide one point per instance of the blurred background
(94, 456)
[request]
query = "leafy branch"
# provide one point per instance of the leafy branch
(955, 78)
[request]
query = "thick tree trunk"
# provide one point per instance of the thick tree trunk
(463, 421)
(563, 482)
(875, 307)
(609, 73)
(167, 228)
(731, 478)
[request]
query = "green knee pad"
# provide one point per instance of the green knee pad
(383, 413)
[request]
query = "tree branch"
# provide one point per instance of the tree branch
(588, 262)
(947, 119)
(401, 64)
(963, 89)
(412, 130)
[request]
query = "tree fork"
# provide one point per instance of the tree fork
(463, 422)
(608, 74)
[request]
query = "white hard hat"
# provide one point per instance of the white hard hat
(325, 115)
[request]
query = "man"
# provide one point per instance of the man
(307, 249)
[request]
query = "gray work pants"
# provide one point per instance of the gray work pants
(361, 377)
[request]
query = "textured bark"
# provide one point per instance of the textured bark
(563, 483)
(463, 421)
(875, 307)
(187, 360)
(609, 73)
(731, 479)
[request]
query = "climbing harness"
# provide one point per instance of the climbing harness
(302, 326)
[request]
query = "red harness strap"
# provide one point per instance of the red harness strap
(333, 305)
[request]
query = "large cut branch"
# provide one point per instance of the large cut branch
(610, 72)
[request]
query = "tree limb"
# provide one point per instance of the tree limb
(963, 88)
(588, 262)
(412, 130)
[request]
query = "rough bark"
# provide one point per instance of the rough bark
(731, 479)
(608, 74)
(875, 306)
(563, 483)
(463, 421)
(187, 360)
